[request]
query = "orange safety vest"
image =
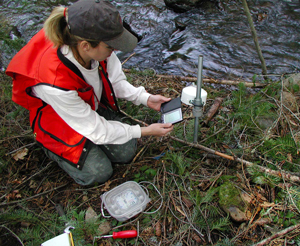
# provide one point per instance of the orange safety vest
(39, 63)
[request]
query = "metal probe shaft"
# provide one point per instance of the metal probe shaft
(197, 111)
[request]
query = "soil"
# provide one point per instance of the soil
(34, 183)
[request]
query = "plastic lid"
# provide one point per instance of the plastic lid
(125, 199)
(189, 93)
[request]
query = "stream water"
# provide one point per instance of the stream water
(172, 42)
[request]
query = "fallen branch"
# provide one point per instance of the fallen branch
(209, 80)
(276, 235)
(214, 108)
(280, 174)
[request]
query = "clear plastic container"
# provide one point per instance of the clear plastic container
(125, 201)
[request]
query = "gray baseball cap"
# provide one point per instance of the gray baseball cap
(100, 20)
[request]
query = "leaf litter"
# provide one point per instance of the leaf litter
(187, 175)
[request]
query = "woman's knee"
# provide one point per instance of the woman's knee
(97, 168)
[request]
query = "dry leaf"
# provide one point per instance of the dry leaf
(262, 221)
(33, 184)
(39, 190)
(247, 198)
(158, 229)
(90, 215)
(104, 228)
(187, 202)
(197, 238)
(16, 181)
(25, 224)
(106, 186)
(20, 154)
(180, 211)
(267, 204)
(18, 196)
(170, 221)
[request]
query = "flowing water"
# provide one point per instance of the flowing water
(172, 42)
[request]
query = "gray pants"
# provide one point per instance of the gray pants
(98, 164)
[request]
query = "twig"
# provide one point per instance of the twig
(281, 105)
(290, 196)
(187, 217)
(25, 146)
(276, 235)
(139, 153)
(283, 174)
(204, 140)
(286, 175)
(128, 58)
(254, 35)
(139, 121)
(29, 198)
(13, 234)
(199, 208)
(46, 167)
(22, 135)
(208, 80)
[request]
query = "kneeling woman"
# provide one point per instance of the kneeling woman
(68, 77)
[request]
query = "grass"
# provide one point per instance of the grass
(190, 180)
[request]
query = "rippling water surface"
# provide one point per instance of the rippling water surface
(172, 42)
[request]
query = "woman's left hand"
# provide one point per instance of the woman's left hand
(155, 101)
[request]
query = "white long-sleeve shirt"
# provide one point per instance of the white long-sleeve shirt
(79, 115)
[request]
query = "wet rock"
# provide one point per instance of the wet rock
(91, 215)
(290, 101)
(231, 202)
(181, 6)
(290, 95)
(235, 213)
(292, 81)
(265, 122)
(180, 25)
(104, 228)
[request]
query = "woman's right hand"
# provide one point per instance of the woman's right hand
(157, 129)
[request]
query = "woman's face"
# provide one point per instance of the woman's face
(101, 52)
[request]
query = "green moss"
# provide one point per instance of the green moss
(229, 195)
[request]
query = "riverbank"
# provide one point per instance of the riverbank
(238, 185)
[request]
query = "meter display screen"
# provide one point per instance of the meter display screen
(126, 199)
(173, 116)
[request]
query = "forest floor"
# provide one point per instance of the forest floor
(237, 185)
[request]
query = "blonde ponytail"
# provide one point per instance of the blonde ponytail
(56, 29)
